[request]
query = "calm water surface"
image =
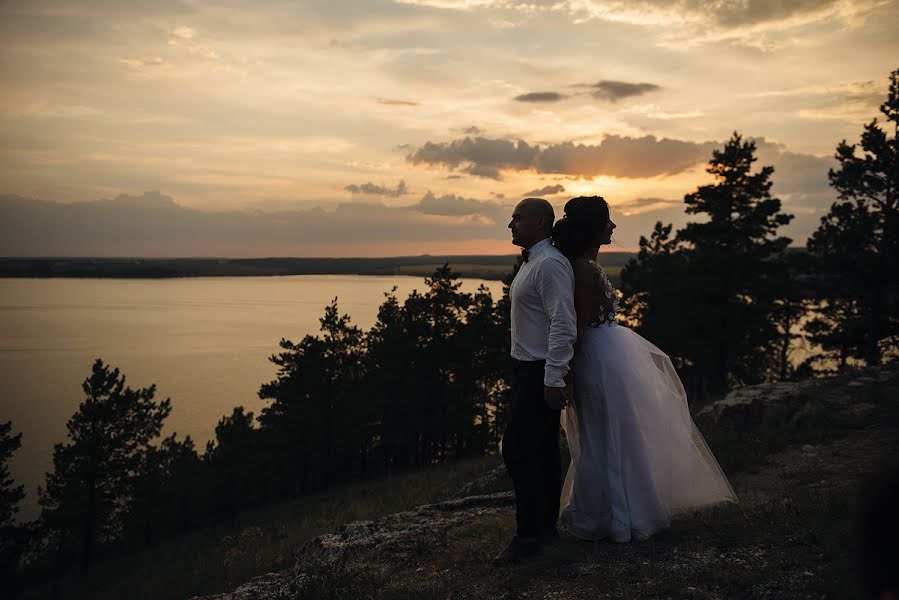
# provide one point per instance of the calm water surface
(203, 341)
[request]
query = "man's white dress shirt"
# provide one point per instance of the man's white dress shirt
(544, 325)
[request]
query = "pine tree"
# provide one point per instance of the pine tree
(484, 342)
(392, 381)
(447, 366)
(730, 265)
(89, 493)
(344, 428)
(12, 536)
(182, 491)
(316, 421)
(857, 245)
(789, 276)
(649, 282)
(233, 463)
(160, 490)
(10, 494)
(707, 295)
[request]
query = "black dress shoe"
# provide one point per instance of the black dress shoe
(518, 549)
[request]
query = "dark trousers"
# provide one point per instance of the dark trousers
(530, 449)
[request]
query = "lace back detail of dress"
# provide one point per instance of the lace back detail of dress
(607, 309)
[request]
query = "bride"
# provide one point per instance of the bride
(637, 458)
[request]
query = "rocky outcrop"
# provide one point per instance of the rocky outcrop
(369, 545)
(401, 535)
(793, 404)
(489, 482)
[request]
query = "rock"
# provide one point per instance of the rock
(400, 534)
(370, 545)
(792, 403)
(284, 585)
(486, 483)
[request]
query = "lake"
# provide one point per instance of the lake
(203, 341)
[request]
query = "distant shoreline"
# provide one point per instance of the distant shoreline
(491, 267)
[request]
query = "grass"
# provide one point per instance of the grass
(773, 549)
(219, 558)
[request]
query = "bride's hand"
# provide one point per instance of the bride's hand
(555, 397)
(569, 387)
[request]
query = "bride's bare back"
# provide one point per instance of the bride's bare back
(595, 298)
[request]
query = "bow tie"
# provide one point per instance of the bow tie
(524, 254)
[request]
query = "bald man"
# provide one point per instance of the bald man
(544, 330)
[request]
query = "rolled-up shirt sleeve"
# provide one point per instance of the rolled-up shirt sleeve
(555, 284)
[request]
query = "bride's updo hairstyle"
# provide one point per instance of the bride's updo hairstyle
(585, 217)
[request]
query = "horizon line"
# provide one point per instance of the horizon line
(512, 255)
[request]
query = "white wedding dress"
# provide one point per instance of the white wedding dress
(637, 458)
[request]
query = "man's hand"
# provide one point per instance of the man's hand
(555, 397)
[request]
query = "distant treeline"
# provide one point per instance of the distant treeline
(429, 382)
(473, 266)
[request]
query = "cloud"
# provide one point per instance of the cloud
(753, 12)
(760, 24)
(393, 102)
(546, 191)
(183, 32)
(653, 111)
(642, 202)
(61, 111)
(799, 179)
(452, 205)
(380, 190)
(727, 14)
(617, 90)
(153, 224)
(449, 4)
(139, 62)
(639, 206)
(485, 171)
(186, 37)
(481, 156)
(853, 102)
(616, 156)
(612, 91)
(540, 97)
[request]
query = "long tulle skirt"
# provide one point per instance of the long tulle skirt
(637, 458)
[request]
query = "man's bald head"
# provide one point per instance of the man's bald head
(532, 221)
(542, 209)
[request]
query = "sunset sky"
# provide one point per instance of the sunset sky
(376, 128)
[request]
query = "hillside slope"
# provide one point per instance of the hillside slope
(794, 452)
